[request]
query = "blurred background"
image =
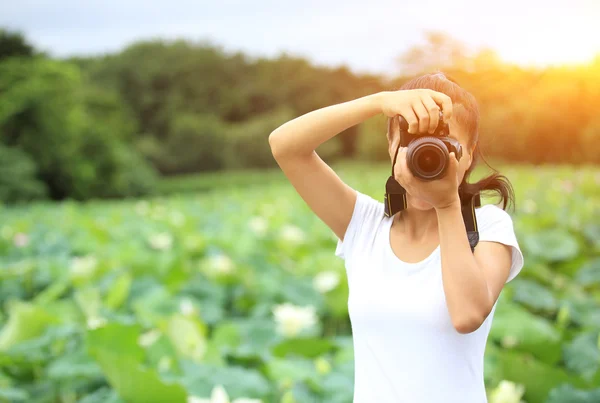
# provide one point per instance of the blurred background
(151, 251)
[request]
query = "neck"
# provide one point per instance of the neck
(418, 224)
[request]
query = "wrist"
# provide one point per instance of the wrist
(377, 99)
(449, 205)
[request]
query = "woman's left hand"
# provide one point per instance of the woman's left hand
(440, 193)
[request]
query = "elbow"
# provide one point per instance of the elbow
(466, 324)
(283, 149)
(275, 145)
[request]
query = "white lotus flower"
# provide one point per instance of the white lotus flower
(219, 395)
(567, 186)
(21, 240)
(220, 264)
(292, 319)
(322, 365)
(159, 212)
(292, 234)
(529, 206)
(258, 225)
(83, 266)
(268, 210)
(161, 241)
(165, 363)
(186, 307)
(177, 218)
(142, 208)
(326, 281)
(95, 322)
(509, 341)
(507, 392)
(149, 338)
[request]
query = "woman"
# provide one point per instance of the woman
(421, 301)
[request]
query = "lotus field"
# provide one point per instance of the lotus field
(235, 295)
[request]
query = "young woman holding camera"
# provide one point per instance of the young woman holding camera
(421, 301)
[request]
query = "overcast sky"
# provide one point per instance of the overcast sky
(366, 35)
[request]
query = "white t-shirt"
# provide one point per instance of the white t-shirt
(405, 346)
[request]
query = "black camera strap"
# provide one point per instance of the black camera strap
(395, 194)
(395, 201)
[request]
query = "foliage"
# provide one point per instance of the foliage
(75, 135)
(14, 44)
(163, 83)
(93, 125)
(238, 290)
(18, 176)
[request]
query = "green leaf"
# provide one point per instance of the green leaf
(345, 353)
(238, 382)
(301, 292)
(159, 349)
(553, 245)
(103, 395)
(534, 295)
(528, 371)
(337, 299)
(26, 321)
(567, 393)
(589, 274)
(226, 336)
(288, 371)
(14, 395)
(74, 366)
(338, 387)
(592, 233)
(89, 301)
(119, 291)
(118, 338)
(514, 326)
(258, 337)
(582, 355)
(41, 350)
(154, 305)
(115, 348)
(187, 335)
(53, 292)
(308, 347)
(584, 310)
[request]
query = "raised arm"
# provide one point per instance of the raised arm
(294, 143)
(293, 146)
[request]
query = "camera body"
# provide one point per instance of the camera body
(428, 155)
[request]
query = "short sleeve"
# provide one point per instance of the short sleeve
(495, 225)
(366, 216)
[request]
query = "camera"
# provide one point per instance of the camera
(428, 155)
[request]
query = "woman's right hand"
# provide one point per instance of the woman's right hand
(420, 108)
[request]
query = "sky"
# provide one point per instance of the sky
(367, 35)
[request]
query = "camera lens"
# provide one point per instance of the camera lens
(427, 158)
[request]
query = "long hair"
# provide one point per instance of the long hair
(468, 118)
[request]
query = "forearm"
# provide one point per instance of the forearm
(306, 133)
(466, 290)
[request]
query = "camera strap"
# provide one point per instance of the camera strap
(395, 201)
(468, 206)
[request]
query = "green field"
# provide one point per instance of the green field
(158, 300)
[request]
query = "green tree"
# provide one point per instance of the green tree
(14, 44)
(47, 113)
(18, 177)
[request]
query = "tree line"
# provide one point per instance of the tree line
(109, 126)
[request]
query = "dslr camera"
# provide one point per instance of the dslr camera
(428, 155)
